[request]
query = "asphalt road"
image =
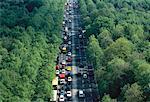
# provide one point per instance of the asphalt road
(87, 85)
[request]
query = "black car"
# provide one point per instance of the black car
(67, 87)
(81, 65)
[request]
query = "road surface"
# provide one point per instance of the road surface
(78, 48)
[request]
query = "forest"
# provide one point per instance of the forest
(29, 43)
(118, 33)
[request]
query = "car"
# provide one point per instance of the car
(68, 87)
(69, 79)
(62, 81)
(80, 36)
(63, 71)
(63, 22)
(69, 94)
(90, 67)
(91, 73)
(78, 59)
(67, 13)
(69, 48)
(69, 59)
(69, 42)
(69, 54)
(62, 92)
(63, 62)
(77, 47)
(61, 98)
(64, 49)
(85, 76)
(83, 47)
(57, 72)
(66, 29)
(81, 42)
(84, 58)
(81, 94)
(81, 65)
(57, 67)
(68, 68)
(69, 20)
(69, 64)
(65, 37)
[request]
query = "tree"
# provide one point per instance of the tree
(28, 48)
(107, 98)
(110, 78)
(122, 30)
(117, 67)
(118, 31)
(142, 73)
(133, 93)
(95, 53)
(147, 54)
(102, 22)
(104, 38)
(121, 48)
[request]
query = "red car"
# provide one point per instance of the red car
(69, 59)
(62, 76)
(57, 67)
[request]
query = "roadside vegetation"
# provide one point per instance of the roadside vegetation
(29, 42)
(118, 33)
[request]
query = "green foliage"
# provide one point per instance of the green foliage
(105, 38)
(94, 52)
(142, 74)
(28, 48)
(133, 93)
(120, 48)
(117, 67)
(107, 98)
(109, 78)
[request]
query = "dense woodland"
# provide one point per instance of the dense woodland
(119, 47)
(29, 42)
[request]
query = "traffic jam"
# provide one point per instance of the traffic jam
(62, 83)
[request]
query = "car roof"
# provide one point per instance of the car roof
(61, 95)
(80, 91)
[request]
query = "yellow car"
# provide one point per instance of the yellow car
(64, 50)
(68, 68)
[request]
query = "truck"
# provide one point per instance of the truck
(54, 98)
(66, 29)
(55, 83)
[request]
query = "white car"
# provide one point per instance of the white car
(67, 13)
(69, 42)
(61, 98)
(69, 94)
(81, 94)
(69, 20)
(57, 72)
(80, 36)
(63, 71)
(63, 22)
(69, 79)
(63, 62)
(65, 37)
(62, 81)
(85, 76)
(69, 54)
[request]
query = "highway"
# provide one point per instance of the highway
(77, 47)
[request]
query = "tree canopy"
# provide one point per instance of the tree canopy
(28, 48)
(120, 49)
